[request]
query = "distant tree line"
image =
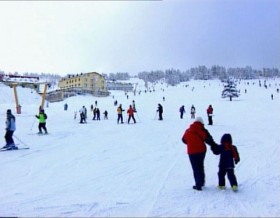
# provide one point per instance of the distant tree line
(175, 76)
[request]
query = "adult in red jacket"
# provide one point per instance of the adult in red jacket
(195, 138)
(130, 112)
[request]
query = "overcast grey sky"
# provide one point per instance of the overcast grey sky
(132, 36)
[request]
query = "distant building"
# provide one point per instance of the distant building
(84, 83)
(24, 81)
(113, 85)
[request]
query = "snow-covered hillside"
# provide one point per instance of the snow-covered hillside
(107, 169)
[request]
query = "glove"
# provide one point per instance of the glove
(215, 149)
(236, 161)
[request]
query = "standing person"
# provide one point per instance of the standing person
(105, 115)
(97, 114)
(228, 157)
(120, 116)
(42, 122)
(94, 113)
(195, 138)
(130, 112)
(85, 113)
(82, 115)
(10, 128)
(210, 114)
(182, 111)
(134, 106)
(160, 111)
(192, 112)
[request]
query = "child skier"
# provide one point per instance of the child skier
(229, 156)
(42, 121)
(192, 112)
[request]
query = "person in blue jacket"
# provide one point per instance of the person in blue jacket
(10, 128)
(229, 156)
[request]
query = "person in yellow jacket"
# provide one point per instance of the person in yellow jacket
(120, 116)
(42, 121)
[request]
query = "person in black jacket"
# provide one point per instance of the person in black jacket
(229, 156)
(160, 111)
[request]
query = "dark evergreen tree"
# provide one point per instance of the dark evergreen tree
(230, 91)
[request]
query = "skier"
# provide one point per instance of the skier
(82, 115)
(94, 113)
(182, 111)
(97, 114)
(192, 112)
(228, 157)
(210, 114)
(134, 106)
(160, 111)
(105, 115)
(42, 122)
(195, 138)
(130, 112)
(10, 128)
(120, 116)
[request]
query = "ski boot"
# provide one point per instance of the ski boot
(234, 188)
(12, 147)
(221, 187)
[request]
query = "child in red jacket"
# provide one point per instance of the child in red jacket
(229, 156)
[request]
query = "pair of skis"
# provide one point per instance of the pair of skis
(8, 149)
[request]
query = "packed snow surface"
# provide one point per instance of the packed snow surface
(106, 169)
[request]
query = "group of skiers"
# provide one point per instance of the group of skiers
(209, 112)
(195, 138)
(182, 111)
(130, 111)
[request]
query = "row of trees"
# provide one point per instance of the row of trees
(174, 76)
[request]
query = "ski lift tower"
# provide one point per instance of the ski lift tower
(18, 107)
(44, 95)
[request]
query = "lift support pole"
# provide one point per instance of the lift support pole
(43, 96)
(16, 99)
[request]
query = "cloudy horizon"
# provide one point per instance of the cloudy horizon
(132, 36)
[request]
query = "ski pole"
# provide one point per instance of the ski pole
(33, 123)
(138, 117)
(21, 141)
(155, 115)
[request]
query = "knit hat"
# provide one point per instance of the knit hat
(226, 138)
(199, 119)
(9, 111)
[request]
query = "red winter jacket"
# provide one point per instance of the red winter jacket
(209, 110)
(195, 137)
(130, 111)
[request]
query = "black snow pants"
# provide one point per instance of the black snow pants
(9, 137)
(230, 174)
(197, 162)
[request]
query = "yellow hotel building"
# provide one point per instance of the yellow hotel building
(91, 83)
